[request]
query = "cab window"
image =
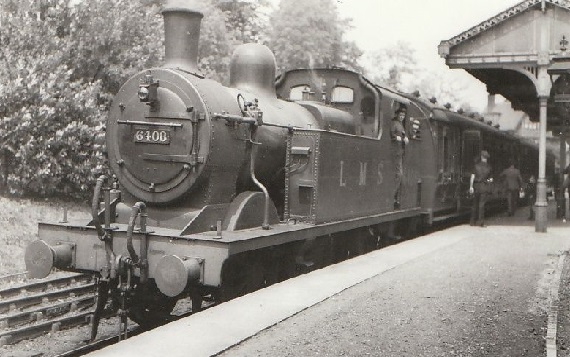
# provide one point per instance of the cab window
(342, 95)
(297, 92)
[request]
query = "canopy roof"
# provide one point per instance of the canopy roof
(505, 52)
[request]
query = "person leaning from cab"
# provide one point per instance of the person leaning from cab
(513, 184)
(400, 140)
(480, 188)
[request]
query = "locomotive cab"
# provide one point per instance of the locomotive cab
(342, 100)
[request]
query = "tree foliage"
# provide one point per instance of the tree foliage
(394, 66)
(226, 25)
(397, 67)
(62, 61)
(309, 33)
(444, 87)
(61, 65)
(247, 21)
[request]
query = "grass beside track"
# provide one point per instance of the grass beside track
(19, 226)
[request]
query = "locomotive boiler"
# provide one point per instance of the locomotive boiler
(176, 138)
(221, 190)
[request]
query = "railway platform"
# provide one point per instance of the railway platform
(464, 291)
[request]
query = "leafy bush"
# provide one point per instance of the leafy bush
(62, 66)
(62, 61)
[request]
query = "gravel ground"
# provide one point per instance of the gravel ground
(563, 333)
(484, 296)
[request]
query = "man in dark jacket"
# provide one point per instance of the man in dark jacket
(480, 187)
(513, 183)
(531, 195)
(566, 183)
(399, 142)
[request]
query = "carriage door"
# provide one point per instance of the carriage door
(471, 150)
(448, 165)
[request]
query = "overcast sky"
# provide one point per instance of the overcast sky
(423, 24)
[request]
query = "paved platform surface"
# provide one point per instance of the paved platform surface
(465, 291)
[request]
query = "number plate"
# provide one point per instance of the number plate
(152, 136)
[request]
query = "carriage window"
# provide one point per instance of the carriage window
(342, 95)
(299, 92)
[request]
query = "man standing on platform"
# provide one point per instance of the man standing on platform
(565, 185)
(531, 195)
(480, 187)
(513, 182)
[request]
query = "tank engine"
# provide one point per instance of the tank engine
(222, 190)
(190, 156)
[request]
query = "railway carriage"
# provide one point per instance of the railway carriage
(219, 191)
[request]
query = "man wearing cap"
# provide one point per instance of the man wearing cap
(399, 142)
(480, 187)
(513, 182)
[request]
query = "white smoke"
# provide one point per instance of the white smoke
(317, 82)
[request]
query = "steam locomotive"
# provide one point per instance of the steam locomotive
(221, 190)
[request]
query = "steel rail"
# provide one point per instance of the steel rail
(27, 301)
(45, 285)
(46, 312)
(110, 340)
(17, 335)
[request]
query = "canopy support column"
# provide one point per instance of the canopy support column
(541, 199)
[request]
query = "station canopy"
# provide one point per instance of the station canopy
(505, 52)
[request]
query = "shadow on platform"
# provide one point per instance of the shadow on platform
(521, 218)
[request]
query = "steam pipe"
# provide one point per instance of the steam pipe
(95, 206)
(143, 264)
(139, 208)
(102, 232)
(265, 224)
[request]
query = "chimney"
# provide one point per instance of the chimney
(181, 38)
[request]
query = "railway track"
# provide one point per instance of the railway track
(132, 331)
(29, 310)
